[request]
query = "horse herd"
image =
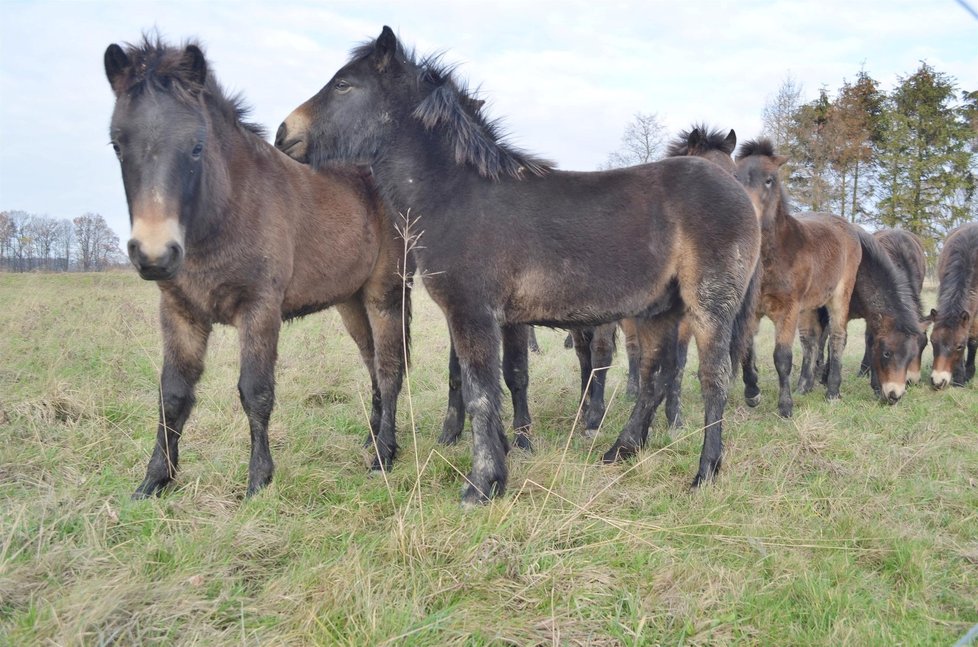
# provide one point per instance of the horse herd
(698, 245)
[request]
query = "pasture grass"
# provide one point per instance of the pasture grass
(852, 523)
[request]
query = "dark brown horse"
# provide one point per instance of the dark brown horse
(807, 261)
(236, 233)
(509, 240)
(717, 147)
(882, 296)
(956, 316)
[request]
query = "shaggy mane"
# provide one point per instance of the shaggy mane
(159, 67)
(761, 146)
(459, 112)
(958, 277)
(713, 139)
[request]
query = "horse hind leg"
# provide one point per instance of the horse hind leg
(390, 317)
(675, 388)
(602, 350)
(712, 328)
(184, 347)
(353, 314)
(633, 352)
(658, 341)
(516, 363)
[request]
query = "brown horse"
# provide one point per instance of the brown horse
(882, 296)
(956, 316)
(510, 240)
(236, 233)
(808, 261)
(907, 253)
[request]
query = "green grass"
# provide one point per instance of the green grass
(853, 523)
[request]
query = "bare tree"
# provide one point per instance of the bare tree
(778, 117)
(97, 244)
(643, 142)
(7, 231)
(64, 240)
(43, 232)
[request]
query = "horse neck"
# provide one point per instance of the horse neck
(782, 233)
(418, 172)
(882, 292)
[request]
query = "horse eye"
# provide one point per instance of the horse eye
(887, 355)
(342, 86)
(769, 182)
(198, 149)
(118, 151)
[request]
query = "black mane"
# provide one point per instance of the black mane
(957, 278)
(157, 66)
(713, 139)
(476, 140)
(762, 146)
(883, 285)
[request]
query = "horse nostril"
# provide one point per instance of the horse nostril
(133, 248)
(280, 134)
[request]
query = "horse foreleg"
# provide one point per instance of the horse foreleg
(838, 319)
(748, 365)
(516, 363)
(582, 347)
(357, 324)
(531, 340)
(785, 326)
(258, 333)
(969, 364)
(184, 347)
(810, 333)
(477, 344)
(451, 428)
(675, 387)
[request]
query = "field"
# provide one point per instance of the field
(851, 524)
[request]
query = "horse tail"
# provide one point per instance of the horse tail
(744, 323)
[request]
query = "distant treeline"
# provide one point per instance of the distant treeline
(31, 243)
(907, 158)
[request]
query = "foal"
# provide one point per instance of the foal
(236, 233)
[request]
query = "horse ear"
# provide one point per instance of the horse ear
(195, 66)
(116, 64)
(730, 142)
(779, 160)
(932, 317)
(385, 49)
(693, 139)
(965, 317)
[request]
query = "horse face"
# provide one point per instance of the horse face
(160, 144)
(948, 340)
(759, 176)
(352, 116)
(892, 353)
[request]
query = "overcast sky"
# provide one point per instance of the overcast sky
(566, 77)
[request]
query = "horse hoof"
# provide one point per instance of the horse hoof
(752, 400)
(785, 412)
(523, 441)
(618, 454)
(589, 434)
(448, 439)
(473, 497)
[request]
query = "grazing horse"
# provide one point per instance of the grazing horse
(882, 296)
(807, 261)
(510, 240)
(236, 233)
(956, 316)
